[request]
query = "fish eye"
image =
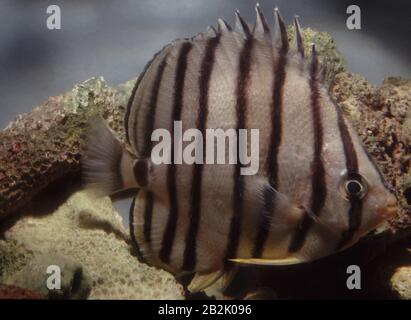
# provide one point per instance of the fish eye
(354, 185)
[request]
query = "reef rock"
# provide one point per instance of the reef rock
(330, 58)
(87, 241)
(44, 145)
(401, 282)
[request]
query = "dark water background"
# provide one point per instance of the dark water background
(115, 39)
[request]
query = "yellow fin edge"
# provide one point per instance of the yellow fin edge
(269, 262)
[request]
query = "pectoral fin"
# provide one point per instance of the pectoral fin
(275, 207)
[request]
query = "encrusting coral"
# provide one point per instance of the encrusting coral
(87, 241)
(44, 145)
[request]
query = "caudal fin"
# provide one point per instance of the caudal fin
(102, 158)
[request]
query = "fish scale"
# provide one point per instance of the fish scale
(316, 191)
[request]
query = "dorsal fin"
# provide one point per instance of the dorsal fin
(211, 32)
(280, 32)
(240, 25)
(298, 45)
(223, 26)
(261, 28)
(198, 36)
(314, 68)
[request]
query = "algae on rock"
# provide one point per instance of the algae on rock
(45, 145)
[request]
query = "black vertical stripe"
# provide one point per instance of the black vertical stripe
(170, 229)
(354, 216)
(148, 216)
(189, 259)
(279, 72)
(276, 116)
(243, 78)
(133, 94)
(140, 170)
(149, 123)
(318, 185)
(129, 104)
(151, 112)
(351, 163)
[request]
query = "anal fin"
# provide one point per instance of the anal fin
(202, 281)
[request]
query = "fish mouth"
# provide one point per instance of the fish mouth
(390, 209)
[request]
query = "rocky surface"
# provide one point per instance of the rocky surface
(330, 58)
(87, 241)
(400, 282)
(44, 145)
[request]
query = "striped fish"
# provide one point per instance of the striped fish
(316, 192)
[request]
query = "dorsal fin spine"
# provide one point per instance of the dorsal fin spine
(314, 67)
(211, 31)
(240, 25)
(280, 32)
(223, 26)
(298, 39)
(260, 27)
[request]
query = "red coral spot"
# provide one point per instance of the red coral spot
(16, 147)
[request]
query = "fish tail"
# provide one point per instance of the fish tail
(107, 167)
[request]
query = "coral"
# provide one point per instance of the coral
(44, 145)
(75, 283)
(392, 276)
(87, 240)
(329, 56)
(401, 282)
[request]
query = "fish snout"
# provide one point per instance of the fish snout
(389, 210)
